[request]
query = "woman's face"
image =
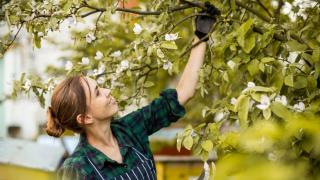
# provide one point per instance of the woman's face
(101, 105)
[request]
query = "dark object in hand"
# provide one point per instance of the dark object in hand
(204, 23)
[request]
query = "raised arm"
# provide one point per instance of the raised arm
(188, 81)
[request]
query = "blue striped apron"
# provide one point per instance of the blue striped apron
(145, 170)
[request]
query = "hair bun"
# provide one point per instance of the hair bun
(54, 127)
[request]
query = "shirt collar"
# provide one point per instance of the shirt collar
(98, 158)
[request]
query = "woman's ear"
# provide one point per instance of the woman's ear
(84, 119)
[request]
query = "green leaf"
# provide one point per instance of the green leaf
(294, 45)
(261, 66)
(148, 84)
(262, 89)
(243, 109)
(250, 42)
(160, 53)
(277, 81)
(266, 38)
(204, 155)
(169, 45)
(288, 80)
(37, 41)
(233, 5)
(150, 50)
(188, 142)
(300, 82)
(242, 31)
(316, 55)
(280, 110)
(256, 96)
(207, 145)
(252, 67)
(267, 59)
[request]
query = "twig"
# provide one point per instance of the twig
(264, 7)
(14, 38)
(254, 11)
(178, 23)
(95, 31)
(171, 10)
(194, 45)
(277, 12)
(200, 41)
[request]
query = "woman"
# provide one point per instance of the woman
(119, 149)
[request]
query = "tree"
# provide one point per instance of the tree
(258, 102)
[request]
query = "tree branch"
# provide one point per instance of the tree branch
(264, 7)
(269, 20)
(254, 11)
(171, 10)
(14, 38)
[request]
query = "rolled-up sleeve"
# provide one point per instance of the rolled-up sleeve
(158, 114)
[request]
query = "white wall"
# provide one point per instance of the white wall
(26, 111)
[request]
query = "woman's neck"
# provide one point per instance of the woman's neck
(100, 135)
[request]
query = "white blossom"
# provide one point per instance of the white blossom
(27, 84)
(231, 64)
(249, 86)
(51, 87)
(116, 54)
(251, 103)
(233, 101)
(56, 2)
(137, 28)
(167, 65)
(40, 34)
(282, 100)
(90, 37)
(124, 64)
(286, 9)
(101, 80)
(85, 61)
(274, 3)
(264, 102)
(219, 116)
(101, 68)
(68, 66)
(72, 20)
(299, 107)
(99, 55)
(171, 37)
(119, 70)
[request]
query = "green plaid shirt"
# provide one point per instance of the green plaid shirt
(131, 130)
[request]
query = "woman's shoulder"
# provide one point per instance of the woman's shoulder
(74, 167)
(76, 159)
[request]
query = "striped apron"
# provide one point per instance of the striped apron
(145, 170)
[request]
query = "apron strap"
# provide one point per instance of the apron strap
(97, 171)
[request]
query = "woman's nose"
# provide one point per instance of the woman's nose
(107, 92)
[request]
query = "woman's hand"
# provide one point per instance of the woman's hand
(206, 20)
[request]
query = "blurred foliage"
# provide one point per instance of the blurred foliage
(258, 94)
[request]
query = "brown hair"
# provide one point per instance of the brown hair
(67, 102)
